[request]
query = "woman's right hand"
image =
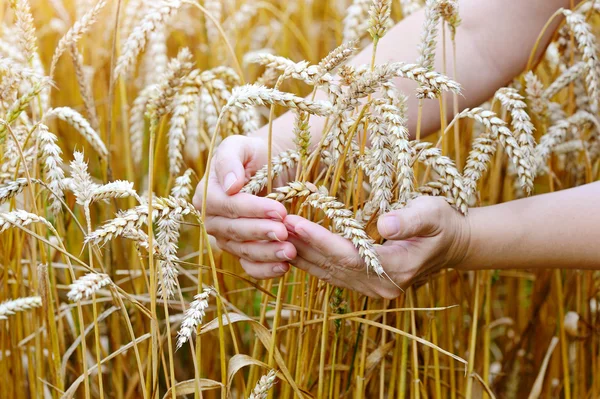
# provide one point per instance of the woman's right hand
(245, 225)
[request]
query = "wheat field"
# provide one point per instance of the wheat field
(111, 111)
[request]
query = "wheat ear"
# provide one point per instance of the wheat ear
(13, 306)
(87, 285)
(263, 386)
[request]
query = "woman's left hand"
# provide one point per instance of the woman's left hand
(424, 237)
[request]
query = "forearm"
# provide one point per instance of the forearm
(560, 229)
(493, 44)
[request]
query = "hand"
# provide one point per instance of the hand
(424, 237)
(245, 225)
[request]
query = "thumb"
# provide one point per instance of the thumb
(229, 161)
(406, 223)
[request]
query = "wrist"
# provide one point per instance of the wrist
(475, 254)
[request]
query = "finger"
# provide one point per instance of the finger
(420, 218)
(246, 229)
(401, 263)
(229, 161)
(240, 205)
(329, 276)
(260, 251)
(320, 240)
(264, 270)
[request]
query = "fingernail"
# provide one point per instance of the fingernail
(230, 180)
(274, 215)
(289, 227)
(282, 255)
(272, 236)
(390, 225)
(280, 269)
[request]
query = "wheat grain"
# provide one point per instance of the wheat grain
(183, 105)
(87, 285)
(520, 121)
(586, 42)
(347, 227)
(51, 156)
(565, 79)
(183, 185)
(500, 132)
(114, 189)
(81, 181)
(302, 134)
(380, 168)
(294, 189)
(263, 386)
(401, 148)
(22, 218)
(10, 307)
(169, 84)
(448, 173)
(429, 34)
(74, 34)
(137, 121)
(379, 18)
(285, 160)
(479, 158)
(24, 23)
(337, 56)
(11, 189)
(82, 126)
(448, 10)
(356, 21)
(252, 95)
(535, 94)
(134, 218)
(84, 76)
(136, 41)
(193, 317)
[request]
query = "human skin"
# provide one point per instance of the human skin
(493, 45)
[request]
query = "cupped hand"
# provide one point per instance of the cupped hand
(245, 225)
(422, 238)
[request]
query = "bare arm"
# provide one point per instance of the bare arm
(493, 44)
(561, 229)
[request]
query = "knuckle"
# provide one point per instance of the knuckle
(230, 209)
(197, 200)
(231, 232)
(244, 251)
